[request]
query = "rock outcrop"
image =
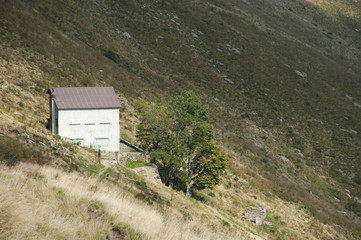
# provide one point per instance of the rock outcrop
(151, 173)
(255, 215)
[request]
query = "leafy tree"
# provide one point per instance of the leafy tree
(155, 125)
(180, 140)
(170, 167)
(209, 167)
(195, 131)
(156, 135)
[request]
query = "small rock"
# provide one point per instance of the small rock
(301, 74)
(268, 223)
(283, 158)
(216, 99)
(358, 201)
(236, 51)
(156, 59)
(336, 199)
(258, 144)
(348, 195)
(194, 35)
(25, 135)
(299, 153)
(160, 37)
(349, 97)
(319, 121)
(236, 179)
(344, 213)
(229, 81)
(127, 35)
(356, 104)
(351, 131)
(4, 86)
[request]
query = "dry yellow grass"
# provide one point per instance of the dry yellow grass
(45, 203)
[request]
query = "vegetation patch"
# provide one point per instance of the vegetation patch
(112, 56)
(128, 233)
(137, 164)
(180, 139)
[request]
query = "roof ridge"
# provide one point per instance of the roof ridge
(85, 97)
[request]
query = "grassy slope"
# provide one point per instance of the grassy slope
(257, 45)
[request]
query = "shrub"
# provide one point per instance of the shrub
(112, 56)
(97, 206)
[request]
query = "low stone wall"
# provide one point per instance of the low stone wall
(255, 215)
(108, 155)
(151, 173)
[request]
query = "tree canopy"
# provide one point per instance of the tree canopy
(181, 143)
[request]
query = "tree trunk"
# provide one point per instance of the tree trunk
(189, 190)
(190, 173)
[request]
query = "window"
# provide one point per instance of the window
(79, 141)
(89, 126)
(104, 126)
(74, 126)
(101, 141)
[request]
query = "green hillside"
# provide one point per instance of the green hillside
(282, 79)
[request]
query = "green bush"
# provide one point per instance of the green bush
(112, 56)
(97, 206)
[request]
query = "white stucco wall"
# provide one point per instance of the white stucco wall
(91, 127)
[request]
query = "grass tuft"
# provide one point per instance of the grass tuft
(137, 164)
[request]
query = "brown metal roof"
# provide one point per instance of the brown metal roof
(85, 97)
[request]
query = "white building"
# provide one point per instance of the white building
(86, 115)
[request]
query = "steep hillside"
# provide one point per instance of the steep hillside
(282, 79)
